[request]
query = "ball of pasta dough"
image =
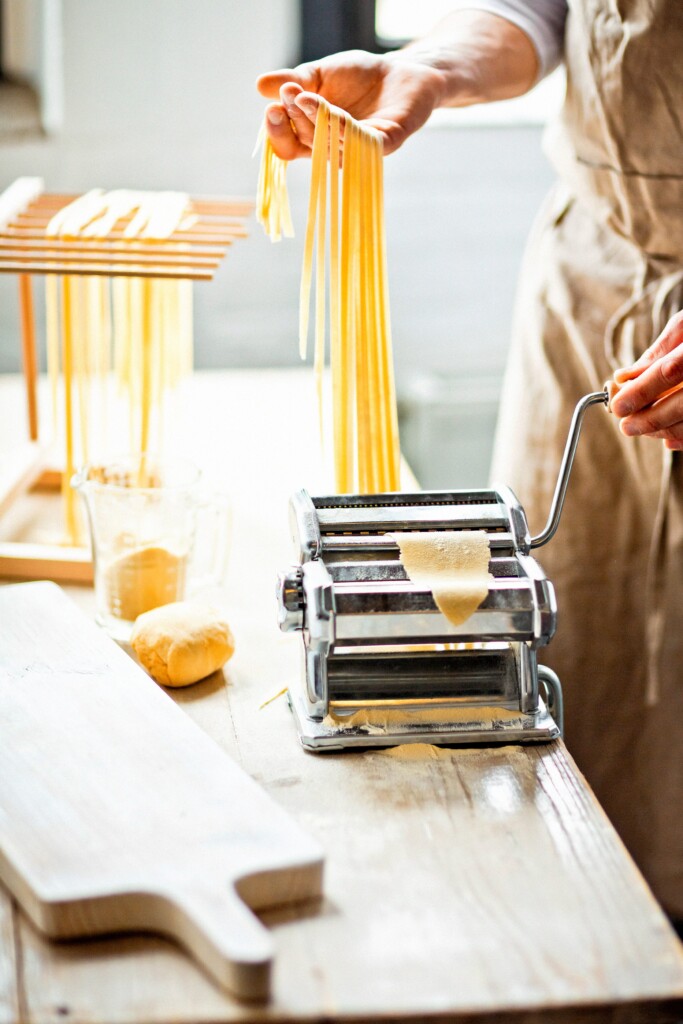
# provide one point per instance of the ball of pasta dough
(183, 642)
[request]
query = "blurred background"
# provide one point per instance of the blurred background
(160, 94)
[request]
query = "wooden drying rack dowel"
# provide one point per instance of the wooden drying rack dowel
(192, 253)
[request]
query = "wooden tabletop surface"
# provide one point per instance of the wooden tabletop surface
(473, 885)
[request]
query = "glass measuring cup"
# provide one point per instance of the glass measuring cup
(144, 516)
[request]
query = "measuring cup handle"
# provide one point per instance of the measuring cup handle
(213, 534)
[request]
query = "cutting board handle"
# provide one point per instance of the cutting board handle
(167, 835)
(224, 935)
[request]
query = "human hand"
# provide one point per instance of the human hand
(470, 56)
(650, 400)
(395, 94)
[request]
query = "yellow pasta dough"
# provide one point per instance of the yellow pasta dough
(452, 564)
(345, 243)
(182, 643)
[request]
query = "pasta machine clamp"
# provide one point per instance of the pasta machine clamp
(382, 665)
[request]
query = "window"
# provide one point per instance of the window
(328, 26)
(30, 67)
(399, 20)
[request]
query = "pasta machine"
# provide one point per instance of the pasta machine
(381, 664)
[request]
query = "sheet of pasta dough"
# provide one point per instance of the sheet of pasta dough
(452, 564)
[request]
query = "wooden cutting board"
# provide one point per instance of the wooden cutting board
(117, 813)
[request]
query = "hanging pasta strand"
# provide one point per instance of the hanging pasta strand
(52, 287)
(385, 350)
(103, 312)
(141, 326)
(68, 495)
(347, 482)
(318, 183)
(335, 324)
(364, 417)
(374, 437)
(356, 339)
(147, 349)
(272, 201)
(322, 127)
(79, 314)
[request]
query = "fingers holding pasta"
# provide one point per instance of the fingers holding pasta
(282, 135)
(394, 94)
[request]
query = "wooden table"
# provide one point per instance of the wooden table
(477, 885)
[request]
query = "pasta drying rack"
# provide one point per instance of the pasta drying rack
(193, 252)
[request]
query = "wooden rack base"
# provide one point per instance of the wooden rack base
(26, 470)
(20, 561)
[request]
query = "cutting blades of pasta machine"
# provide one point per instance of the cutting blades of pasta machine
(381, 664)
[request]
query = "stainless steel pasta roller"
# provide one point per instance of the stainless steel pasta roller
(381, 664)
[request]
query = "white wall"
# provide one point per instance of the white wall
(160, 94)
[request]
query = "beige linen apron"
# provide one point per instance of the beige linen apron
(602, 274)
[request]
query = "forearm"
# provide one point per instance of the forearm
(481, 57)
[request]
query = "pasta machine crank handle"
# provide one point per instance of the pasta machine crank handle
(548, 532)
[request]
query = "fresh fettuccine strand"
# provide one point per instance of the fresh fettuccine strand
(319, 358)
(272, 201)
(318, 183)
(52, 286)
(385, 352)
(68, 496)
(364, 417)
(335, 312)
